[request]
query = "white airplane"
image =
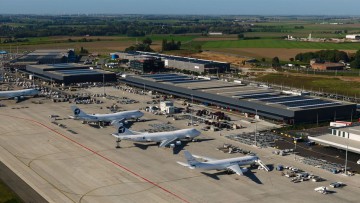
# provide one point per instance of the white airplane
(119, 116)
(18, 94)
(164, 138)
(230, 165)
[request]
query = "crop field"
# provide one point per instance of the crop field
(284, 54)
(278, 43)
(98, 44)
(335, 85)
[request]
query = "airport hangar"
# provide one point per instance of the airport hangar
(68, 73)
(265, 102)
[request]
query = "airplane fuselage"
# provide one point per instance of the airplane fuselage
(225, 163)
(111, 117)
(18, 93)
(160, 136)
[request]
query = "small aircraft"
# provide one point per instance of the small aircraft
(163, 138)
(119, 116)
(230, 165)
(18, 94)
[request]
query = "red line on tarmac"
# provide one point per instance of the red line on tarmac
(107, 159)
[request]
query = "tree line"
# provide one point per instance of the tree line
(331, 56)
(323, 55)
(42, 26)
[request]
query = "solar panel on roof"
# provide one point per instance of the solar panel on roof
(315, 102)
(253, 94)
(188, 81)
(303, 106)
(281, 99)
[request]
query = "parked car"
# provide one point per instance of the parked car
(337, 184)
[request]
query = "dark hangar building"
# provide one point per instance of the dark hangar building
(68, 73)
(263, 101)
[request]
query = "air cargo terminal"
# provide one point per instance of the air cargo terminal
(262, 101)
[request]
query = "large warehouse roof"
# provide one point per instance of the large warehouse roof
(250, 99)
(70, 73)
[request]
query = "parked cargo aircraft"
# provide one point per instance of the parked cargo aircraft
(230, 165)
(18, 94)
(164, 139)
(119, 116)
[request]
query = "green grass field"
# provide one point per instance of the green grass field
(278, 43)
(8, 196)
(330, 85)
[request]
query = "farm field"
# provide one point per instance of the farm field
(279, 43)
(284, 54)
(335, 85)
(98, 44)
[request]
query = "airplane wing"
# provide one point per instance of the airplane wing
(236, 169)
(204, 158)
(164, 143)
(117, 121)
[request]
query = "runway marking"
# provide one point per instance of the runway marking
(105, 158)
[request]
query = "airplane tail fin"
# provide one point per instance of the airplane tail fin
(190, 159)
(121, 130)
(77, 111)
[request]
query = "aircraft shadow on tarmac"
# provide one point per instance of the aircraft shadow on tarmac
(176, 150)
(249, 174)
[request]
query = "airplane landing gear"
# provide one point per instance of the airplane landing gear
(118, 143)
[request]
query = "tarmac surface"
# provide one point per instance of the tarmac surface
(84, 165)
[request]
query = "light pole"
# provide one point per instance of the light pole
(255, 128)
(346, 154)
(144, 93)
(104, 83)
(295, 149)
(192, 106)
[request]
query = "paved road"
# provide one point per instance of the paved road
(22, 189)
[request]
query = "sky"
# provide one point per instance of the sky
(200, 7)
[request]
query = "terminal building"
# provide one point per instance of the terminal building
(178, 62)
(252, 100)
(347, 137)
(67, 73)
